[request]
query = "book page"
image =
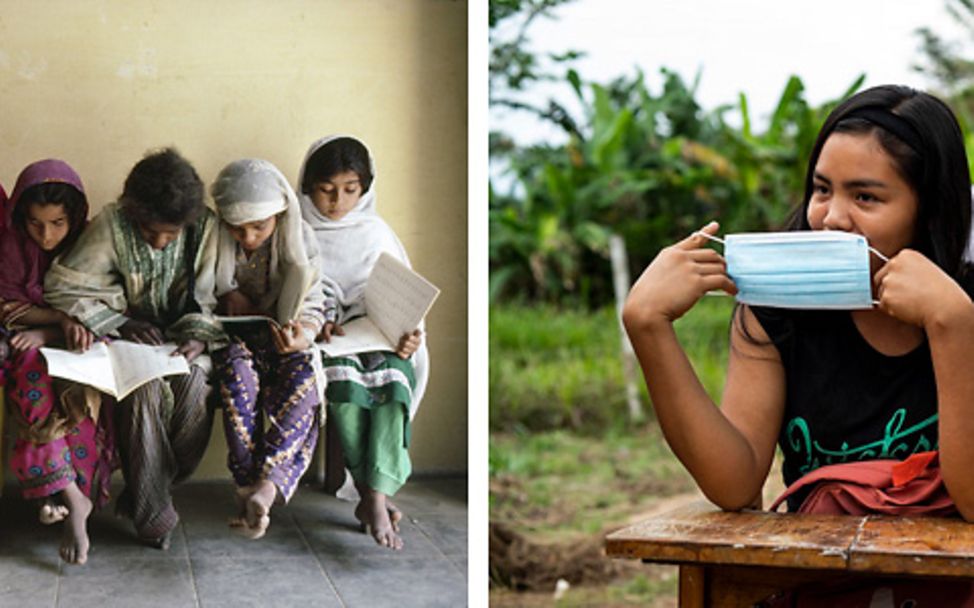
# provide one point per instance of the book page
(361, 336)
(397, 298)
(93, 367)
(135, 364)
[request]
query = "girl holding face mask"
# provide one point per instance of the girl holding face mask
(834, 386)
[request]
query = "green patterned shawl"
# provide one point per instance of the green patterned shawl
(111, 274)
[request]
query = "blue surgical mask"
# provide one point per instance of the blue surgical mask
(818, 269)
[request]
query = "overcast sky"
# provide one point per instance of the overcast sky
(749, 46)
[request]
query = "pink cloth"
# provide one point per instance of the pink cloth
(890, 487)
(85, 455)
(24, 262)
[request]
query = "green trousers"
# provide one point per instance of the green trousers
(374, 442)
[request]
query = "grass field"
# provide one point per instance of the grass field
(567, 465)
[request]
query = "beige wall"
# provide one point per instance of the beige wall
(97, 83)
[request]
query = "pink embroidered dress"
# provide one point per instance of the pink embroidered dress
(55, 444)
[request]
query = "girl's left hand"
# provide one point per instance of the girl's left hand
(408, 344)
(911, 288)
(290, 338)
(25, 340)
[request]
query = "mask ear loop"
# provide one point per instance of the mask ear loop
(715, 239)
(884, 259)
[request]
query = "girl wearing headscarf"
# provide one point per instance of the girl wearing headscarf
(373, 396)
(266, 265)
(64, 444)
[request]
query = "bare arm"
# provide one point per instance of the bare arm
(37, 316)
(914, 290)
(729, 450)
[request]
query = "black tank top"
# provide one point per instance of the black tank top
(844, 400)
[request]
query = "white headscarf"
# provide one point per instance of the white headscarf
(349, 248)
(251, 190)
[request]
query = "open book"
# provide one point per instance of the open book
(396, 301)
(117, 367)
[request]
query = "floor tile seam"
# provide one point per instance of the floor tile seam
(430, 539)
(317, 559)
(57, 585)
(457, 568)
(189, 563)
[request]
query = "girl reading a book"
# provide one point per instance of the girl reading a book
(373, 396)
(137, 272)
(268, 375)
(63, 452)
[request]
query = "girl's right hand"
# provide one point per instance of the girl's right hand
(679, 276)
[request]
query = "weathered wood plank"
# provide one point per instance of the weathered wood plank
(918, 546)
(702, 534)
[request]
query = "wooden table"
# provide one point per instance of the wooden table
(734, 559)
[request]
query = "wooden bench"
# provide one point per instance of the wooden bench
(736, 559)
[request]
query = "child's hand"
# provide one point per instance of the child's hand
(25, 340)
(190, 349)
(330, 329)
(76, 336)
(290, 338)
(408, 344)
(142, 332)
(679, 276)
(911, 288)
(234, 304)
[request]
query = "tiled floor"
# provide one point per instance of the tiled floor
(313, 555)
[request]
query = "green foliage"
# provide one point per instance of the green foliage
(948, 64)
(651, 167)
(552, 368)
(512, 67)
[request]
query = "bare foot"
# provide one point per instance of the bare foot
(240, 497)
(257, 509)
(51, 512)
(74, 542)
(395, 515)
(374, 515)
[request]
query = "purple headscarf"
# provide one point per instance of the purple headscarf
(24, 263)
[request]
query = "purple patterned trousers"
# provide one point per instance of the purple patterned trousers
(270, 413)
